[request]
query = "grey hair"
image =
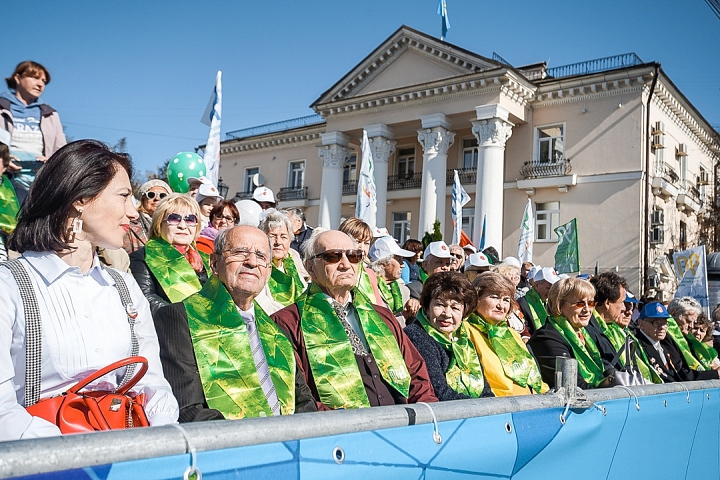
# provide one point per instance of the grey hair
(378, 265)
(680, 306)
(276, 219)
(221, 239)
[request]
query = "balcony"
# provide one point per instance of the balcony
(292, 193)
(242, 196)
(688, 200)
(467, 176)
(350, 188)
(664, 184)
(542, 169)
(404, 182)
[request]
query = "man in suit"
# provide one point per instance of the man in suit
(532, 304)
(221, 353)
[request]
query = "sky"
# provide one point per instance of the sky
(144, 70)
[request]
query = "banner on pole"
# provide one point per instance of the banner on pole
(366, 204)
(460, 198)
(691, 269)
(567, 255)
(527, 235)
(212, 117)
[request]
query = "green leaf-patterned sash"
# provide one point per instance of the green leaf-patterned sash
(704, 353)
(172, 270)
(617, 336)
(9, 206)
(286, 286)
(676, 334)
(391, 294)
(537, 308)
(590, 363)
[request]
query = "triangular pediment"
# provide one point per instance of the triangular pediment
(406, 58)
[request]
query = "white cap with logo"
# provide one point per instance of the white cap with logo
(478, 260)
(548, 274)
(438, 249)
(263, 194)
(385, 247)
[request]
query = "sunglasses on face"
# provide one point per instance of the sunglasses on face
(152, 195)
(591, 304)
(175, 219)
(227, 218)
(334, 256)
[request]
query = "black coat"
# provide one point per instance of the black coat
(149, 285)
(437, 360)
(300, 238)
(527, 314)
(604, 345)
(180, 368)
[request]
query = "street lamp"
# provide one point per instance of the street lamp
(222, 188)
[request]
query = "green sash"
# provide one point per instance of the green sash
(172, 270)
(704, 353)
(600, 320)
(225, 362)
(617, 336)
(391, 294)
(673, 329)
(464, 375)
(286, 286)
(422, 275)
(516, 361)
(364, 284)
(331, 357)
(590, 363)
(9, 206)
(537, 307)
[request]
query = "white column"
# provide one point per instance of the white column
(381, 146)
(435, 138)
(334, 152)
(492, 130)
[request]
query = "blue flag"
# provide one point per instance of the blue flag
(482, 236)
(442, 11)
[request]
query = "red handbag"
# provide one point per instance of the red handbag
(81, 412)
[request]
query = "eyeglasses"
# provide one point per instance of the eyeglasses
(659, 323)
(242, 254)
(582, 304)
(152, 195)
(227, 218)
(334, 256)
(175, 219)
(459, 256)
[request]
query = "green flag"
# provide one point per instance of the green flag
(567, 256)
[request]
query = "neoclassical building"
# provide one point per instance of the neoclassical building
(611, 142)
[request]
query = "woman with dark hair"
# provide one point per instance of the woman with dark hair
(507, 362)
(79, 201)
(411, 269)
(169, 268)
(223, 215)
(440, 335)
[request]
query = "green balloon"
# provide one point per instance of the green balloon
(183, 166)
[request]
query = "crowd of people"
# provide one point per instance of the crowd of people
(245, 311)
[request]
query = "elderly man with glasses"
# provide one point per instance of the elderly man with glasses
(353, 353)
(222, 354)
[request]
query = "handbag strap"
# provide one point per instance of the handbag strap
(131, 315)
(631, 347)
(33, 331)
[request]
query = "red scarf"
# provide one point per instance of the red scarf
(192, 256)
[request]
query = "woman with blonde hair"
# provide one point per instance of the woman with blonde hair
(169, 268)
(367, 280)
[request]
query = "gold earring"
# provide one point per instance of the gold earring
(77, 223)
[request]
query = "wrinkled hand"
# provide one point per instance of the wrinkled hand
(411, 308)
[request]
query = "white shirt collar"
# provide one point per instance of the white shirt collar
(51, 267)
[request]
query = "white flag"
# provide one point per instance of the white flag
(459, 199)
(527, 235)
(212, 116)
(366, 206)
(691, 269)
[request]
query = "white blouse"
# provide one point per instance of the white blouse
(84, 328)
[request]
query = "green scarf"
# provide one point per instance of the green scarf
(331, 357)
(391, 294)
(516, 361)
(9, 206)
(590, 363)
(673, 329)
(285, 286)
(364, 284)
(422, 275)
(617, 336)
(702, 352)
(172, 270)
(465, 374)
(225, 362)
(537, 307)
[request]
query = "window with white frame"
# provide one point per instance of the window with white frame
(547, 219)
(406, 162)
(248, 185)
(401, 226)
(660, 161)
(296, 174)
(550, 143)
(350, 170)
(683, 169)
(468, 221)
(470, 153)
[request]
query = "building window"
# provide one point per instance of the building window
(660, 161)
(406, 162)
(468, 221)
(401, 226)
(547, 219)
(248, 185)
(683, 236)
(683, 169)
(551, 143)
(350, 170)
(470, 153)
(296, 175)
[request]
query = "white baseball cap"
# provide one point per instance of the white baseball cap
(380, 232)
(263, 194)
(207, 190)
(512, 261)
(548, 274)
(533, 271)
(198, 179)
(470, 247)
(385, 247)
(438, 249)
(478, 260)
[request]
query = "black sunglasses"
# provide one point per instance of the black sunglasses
(175, 219)
(152, 195)
(334, 256)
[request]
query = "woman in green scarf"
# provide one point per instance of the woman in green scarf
(288, 278)
(169, 268)
(685, 312)
(570, 306)
(363, 235)
(440, 335)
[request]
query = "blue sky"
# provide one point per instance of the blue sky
(145, 69)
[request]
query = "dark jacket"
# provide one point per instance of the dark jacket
(181, 371)
(527, 314)
(149, 285)
(437, 360)
(607, 351)
(301, 238)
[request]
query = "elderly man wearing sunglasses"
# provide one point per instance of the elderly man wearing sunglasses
(352, 352)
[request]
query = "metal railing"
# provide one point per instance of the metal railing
(315, 119)
(670, 175)
(291, 193)
(597, 65)
(350, 188)
(541, 168)
(467, 175)
(403, 182)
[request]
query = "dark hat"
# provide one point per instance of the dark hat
(654, 310)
